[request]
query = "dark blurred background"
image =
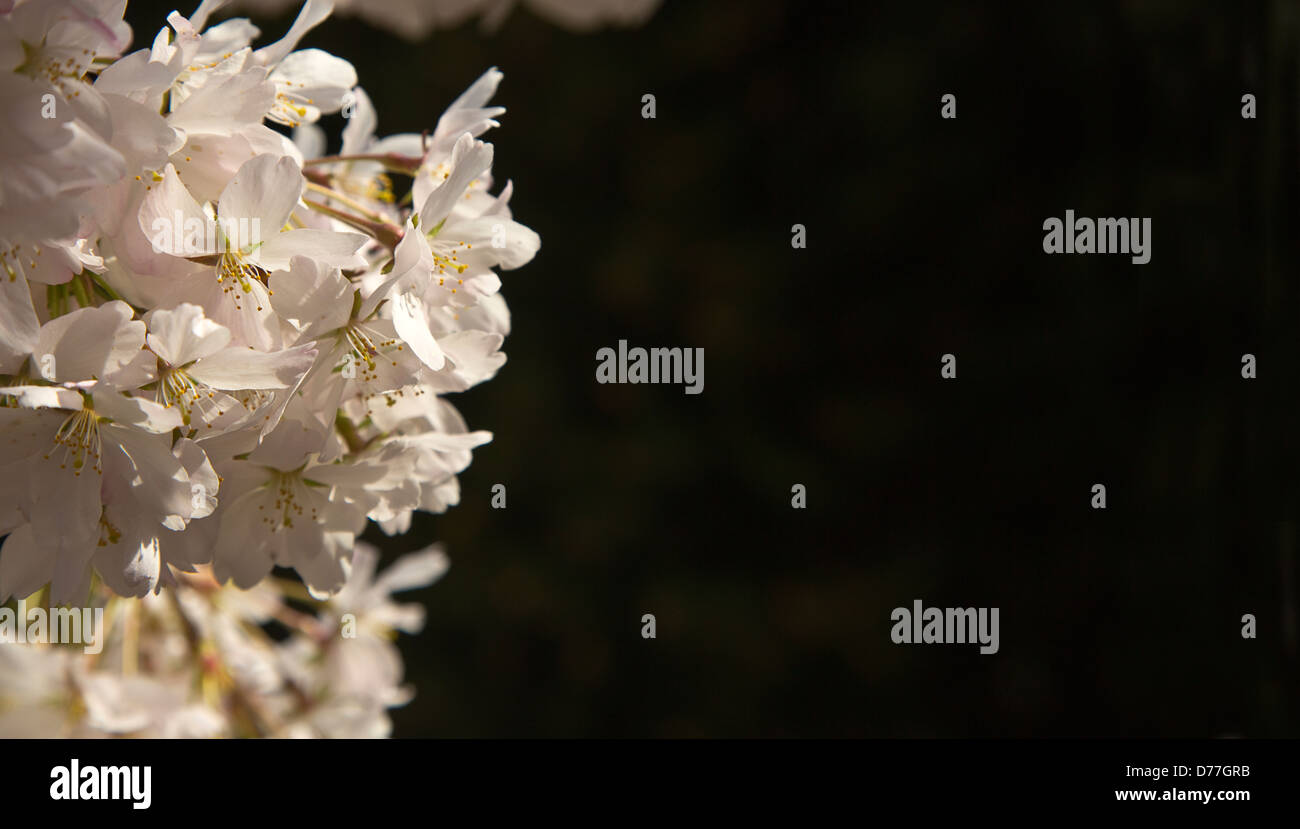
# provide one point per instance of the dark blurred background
(822, 368)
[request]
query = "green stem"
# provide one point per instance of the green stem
(79, 288)
(103, 288)
(56, 300)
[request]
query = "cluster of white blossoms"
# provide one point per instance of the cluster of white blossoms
(197, 661)
(221, 349)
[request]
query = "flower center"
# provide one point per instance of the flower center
(176, 388)
(108, 533)
(291, 493)
(365, 346)
(64, 69)
(79, 440)
(11, 260)
(236, 275)
(290, 107)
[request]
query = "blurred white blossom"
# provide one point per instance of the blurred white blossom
(414, 19)
(200, 661)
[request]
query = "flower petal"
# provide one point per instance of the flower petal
(183, 334)
(265, 188)
(412, 325)
(233, 369)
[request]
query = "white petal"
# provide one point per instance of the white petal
(138, 412)
(414, 570)
(360, 129)
(502, 241)
(225, 108)
(315, 297)
(130, 567)
(204, 483)
(310, 140)
(183, 334)
(412, 267)
(317, 76)
(469, 160)
(18, 323)
(44, 397)
(333, 248)
(313, 12)
(413, 326)
(266, 188)
(233, 369)
(25, 566)
(141, 135)
(171, 219)
(90, 343)
(157, 480)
